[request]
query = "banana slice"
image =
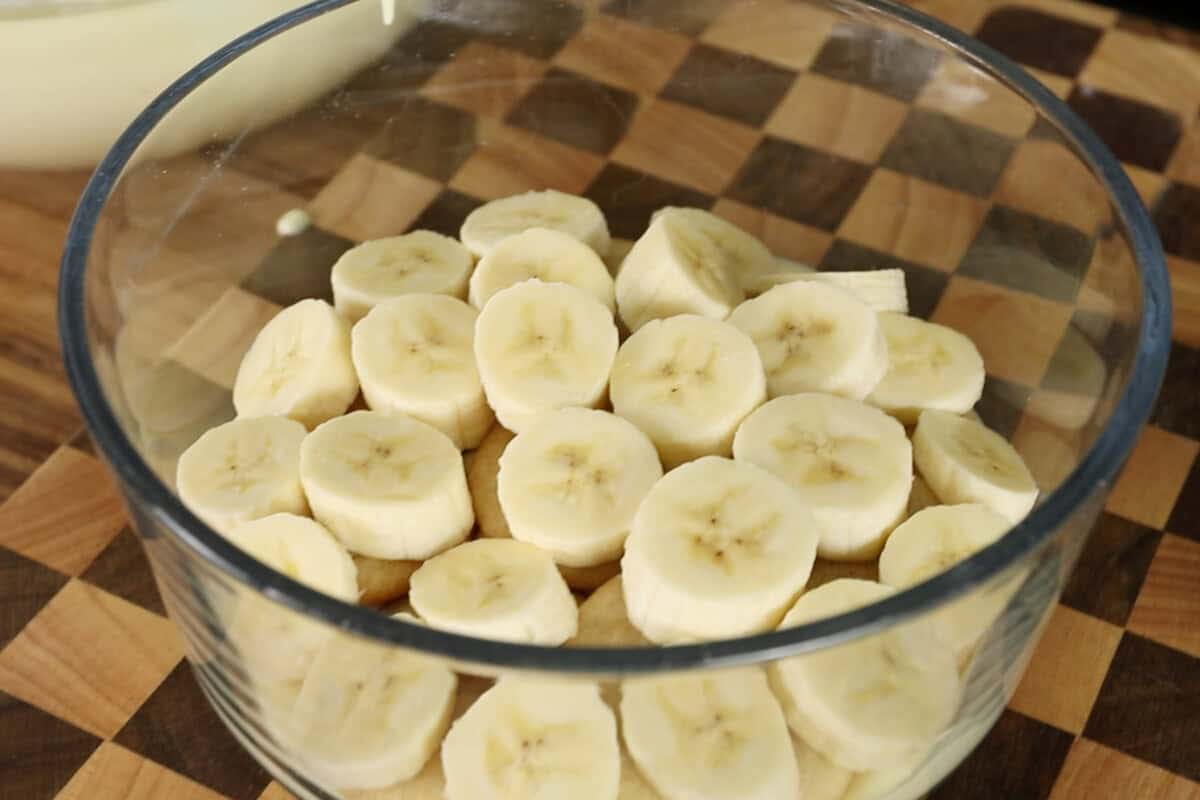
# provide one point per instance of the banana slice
(381, 581)
(368, 716)
(388, 486)
(543, 346)
(604, 622)
(785, 270)
(933, 540)
(688, 382)
(881, 289)
(298, 366)
(921, 496)
(617, 250)
(965, 462)
(820, 778)
(687, 262)
(497, 589)
(528, 739)
(929, 366)
(419, 262)
(716, 735)
(415, 355)
(571, 482)
(850, 463)
(242, 470)
(491, 223)
(301, 549)
(873, 702)
(718, 548)
(814, 337)
(548, 255)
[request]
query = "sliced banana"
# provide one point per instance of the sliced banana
(872, 702)
(921, 496)
(497, 589)
(850, 463)
(820, 778)
(617, 250)
(688, 382)
(717, 735)
(965, 462)
(814, 337)
(242, 470)
(301, 549)
(419, 262)
(932, 541)
(491, 223)
(785, 270)
(381, 581)
(298, 366)
(527, 739)
(718, 548)
(571, 482)
(548, 255)
(368, 716)
(929, 366)
(543, 346)
(604, 622)
(415, 355)
(687, 262)
(387, 485)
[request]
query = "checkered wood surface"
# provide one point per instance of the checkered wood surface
(95, 700)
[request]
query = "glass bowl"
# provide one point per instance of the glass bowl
(849, 134)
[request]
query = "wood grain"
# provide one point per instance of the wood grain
(1168, 607)
(114, 773)
(1094, 771)
(1152, 478)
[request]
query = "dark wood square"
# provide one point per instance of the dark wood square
(628, 198)
(1185, 516)
(1141, 134)
(425, 137)
(1178, 407)
(733, 85)
(941, 149)
(689, 17)
(298, 268)
(28, 586)
(413, 60)
(576, 110)
(1024, 251)
(122, 569)
(1044, 41)
(538, 28)
(1149, 704)
(1111, 569)
(924, 285)
(1020, 758)
(800, 183)
(1175, 216)
(878, 59)
(446, 213)
(38, 752)
(1002, 405)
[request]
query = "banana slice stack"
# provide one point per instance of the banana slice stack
(535, 433)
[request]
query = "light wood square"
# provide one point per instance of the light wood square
(634, 57)
(510, 161)
(1045, 178)
(1066, 671)
(215, 345)
(784, 32)
(965, 93)
(370, 199)
(1152, 478)
(1016, 332)
(65, 514)
(783, 237)
(1060, 86)
(90, 658)
(1185, 300)
(1147, 70)
(114, 773)
(686, 146)
(1093, 771)
(484, 79)
(914, 220)
(1168, 606)
(837, 117)
(1185, 162)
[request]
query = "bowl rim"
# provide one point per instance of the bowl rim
(1094, 472)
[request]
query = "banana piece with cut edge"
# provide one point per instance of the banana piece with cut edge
(298, 366)
(814, 337)
(873, 702)
(301, 549)
(415, 355)
(921, 496)
(746, 256)
(717, 735)
(718, 548)
(572, 481)
(688, 382)
(548, 255)
(929, 366)
(387, 485)
(617, 250)
(368, 716)
(851, 464)
(543, 346)
(820, 778)
(528, 739)
(496, 589)
(965, 462)
(482, 474)
(419, 262)
(687, 262)
(604, 622)
(243, 470)
(935, 539)
(879, 784)
(883, 290)
(491, 223)
(382, 581)
(785, 270)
